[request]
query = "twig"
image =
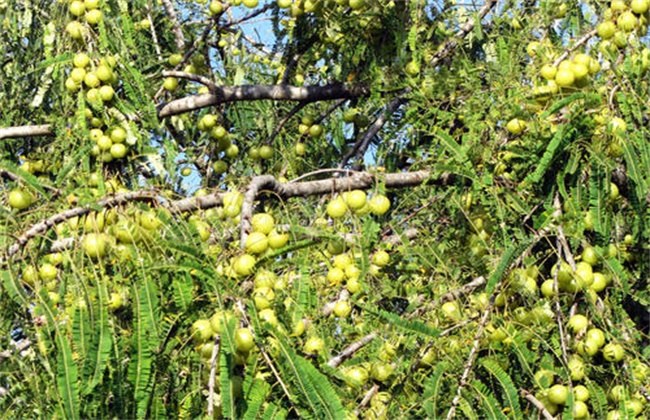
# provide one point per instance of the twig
(398, 238)
(452, 295)
(350, 350)
(344, 294)
(257, 12)
(154, 37)
(176, 27)
(322, 171)
(361, 145)
(534, 401)
(366, 398)
(473, 353)
(213, 374)
(191, 76)
(574, 47)
(451, 44)
(283, 121)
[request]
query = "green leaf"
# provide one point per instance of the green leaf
(255, 399)
(433, 388)
(227, 385)
(511, 396)
(67, 375)
(415, 326)
(312, 386)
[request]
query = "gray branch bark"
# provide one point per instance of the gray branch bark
(224, 94)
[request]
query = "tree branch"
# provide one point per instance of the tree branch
(26, 131)
(262, 184)
(361, 145)
(226, 94)
(350, 350)
(176, 27)
(451, 44)
(191, 76)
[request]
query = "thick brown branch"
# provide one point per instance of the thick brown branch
(26, 131)
(226, 94)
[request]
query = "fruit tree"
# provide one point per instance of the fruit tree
(343, 209)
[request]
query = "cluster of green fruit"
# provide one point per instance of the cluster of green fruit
(345, 267)
(568, 73)
(196, 66)
(263, 239)
(379, 370)
(98, 77)
(583, 278)
(109, 145)
(264, 235)
(86, 9)
(307, 127)
(208, 124)
(358, 203)
(622, 19)
(555, 395)
(298, 8)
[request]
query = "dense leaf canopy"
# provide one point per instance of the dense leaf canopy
(324, 209)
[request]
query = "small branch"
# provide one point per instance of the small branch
(44, 225)
(348, 172)
(451, 44)
(473, 353)
(176, 27)
(213, 374)
(283, 121)
(26, 131)
(452, 295)
(343, 295)
(349, 351)
(361, 145)
(397, 239)
(191, 76)
(154, 37)
(366, 398)
(575, 46)
(534, 401)
(247, 206)
(257, 12)
(463, 290)
(225, 94)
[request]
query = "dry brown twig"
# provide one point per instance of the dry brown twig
(213, 374)
(534, 401)
(350, 350)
